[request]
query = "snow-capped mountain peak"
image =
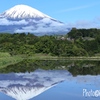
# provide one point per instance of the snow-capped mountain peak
(23, 11)
(23, 18)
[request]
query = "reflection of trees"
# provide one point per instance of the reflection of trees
(31, 65)
(85, 67)
(75, 67)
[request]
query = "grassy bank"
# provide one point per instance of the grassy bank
(48, 57)
(6, 59)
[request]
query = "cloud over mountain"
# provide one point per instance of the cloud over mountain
(22, 18)
(4, 21)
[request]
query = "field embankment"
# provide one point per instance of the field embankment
(6, 59)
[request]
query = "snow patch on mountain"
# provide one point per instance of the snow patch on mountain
(23, 11)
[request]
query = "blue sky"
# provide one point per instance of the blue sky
(80, 13)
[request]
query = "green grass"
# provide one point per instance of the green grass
(48, 57)
(4, 54)
(6, 59)
(42, 57)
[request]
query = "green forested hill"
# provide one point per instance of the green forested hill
(78, 42)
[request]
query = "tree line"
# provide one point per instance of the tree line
(78, 42)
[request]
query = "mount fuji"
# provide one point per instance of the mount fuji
(23, 18)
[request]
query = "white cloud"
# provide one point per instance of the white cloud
(41, 28)
(44, 26)
(4, 21)
(74, 8)
(23, 30)
(85, 24)
(46, 20)
(20, 22)
(79, 7)
(28, 28)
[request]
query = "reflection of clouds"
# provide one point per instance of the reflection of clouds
(23, 86)
(42, 77)
(39, 76)
(88, 79)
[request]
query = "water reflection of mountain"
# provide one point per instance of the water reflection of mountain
(24, 86)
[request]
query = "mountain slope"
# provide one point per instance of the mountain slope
(23, 11)
(22, 18)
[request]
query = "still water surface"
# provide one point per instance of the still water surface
(51, 80)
